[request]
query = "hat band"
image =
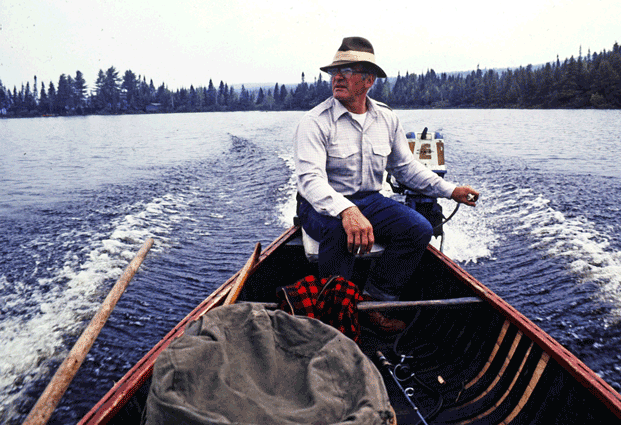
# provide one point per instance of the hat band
(354, 56)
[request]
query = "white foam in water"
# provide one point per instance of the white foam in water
(467, 237)
(288, 203)
(29, 342)
(587, 251)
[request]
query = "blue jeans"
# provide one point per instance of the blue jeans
(403, 232)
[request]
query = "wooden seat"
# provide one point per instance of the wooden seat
(311, 248)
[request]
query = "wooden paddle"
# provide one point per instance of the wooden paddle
(43, 409)
(243, 275)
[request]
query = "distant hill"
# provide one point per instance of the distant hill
(252, 87)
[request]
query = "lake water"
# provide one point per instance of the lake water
(79, 196)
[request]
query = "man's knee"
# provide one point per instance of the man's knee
(426, 237)
(426, 229)
(333, 230)
(419, 225)
(316, 225)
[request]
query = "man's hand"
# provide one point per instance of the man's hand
(465, 195)
(359, 231)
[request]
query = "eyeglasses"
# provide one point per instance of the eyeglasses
(345, 72)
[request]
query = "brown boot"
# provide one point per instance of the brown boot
(377, 321)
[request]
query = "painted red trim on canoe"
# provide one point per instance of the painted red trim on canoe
(128, 385)
(596, 385)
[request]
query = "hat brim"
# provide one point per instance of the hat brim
(380, 72)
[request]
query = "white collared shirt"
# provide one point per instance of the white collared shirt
(335, 156)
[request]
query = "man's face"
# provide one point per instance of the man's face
(349, 84)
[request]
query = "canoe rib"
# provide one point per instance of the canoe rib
(596, 385)
(501, 337)
(502, 371)
(543, 362)
(504, 395)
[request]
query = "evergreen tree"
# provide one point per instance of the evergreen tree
(192, 98)
(35, 93)
(43, 100)
(63, 95)
(223, 94)
(300, 95)
(245, 99)
(72, 95)
(4, 103)
(145, 93)
(376, 91)
(269, 103)
(129, 89)
(181, 100)
(604, 81)
(16, 100)
(29, 102)
(260, 97)
(79, 88)
(51, 97)
(111, 90)
(283, 94)
(544, 83)
(100, 87)
(211, 98)
(569, 82)
(152, 90)
(232, 98)
(164, 98)
(322, 92)
(277, 101)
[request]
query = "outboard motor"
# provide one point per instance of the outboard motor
(428, 148)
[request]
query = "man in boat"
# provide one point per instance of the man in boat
(342, 148)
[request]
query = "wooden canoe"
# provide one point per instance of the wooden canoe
(474, 362)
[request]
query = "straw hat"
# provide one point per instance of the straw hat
(355, 50)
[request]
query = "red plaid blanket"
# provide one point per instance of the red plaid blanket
(333, 301)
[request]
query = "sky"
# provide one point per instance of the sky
(182, 43)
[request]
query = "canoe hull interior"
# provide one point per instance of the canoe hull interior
(478, 363)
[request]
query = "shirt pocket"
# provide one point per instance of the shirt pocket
(342, 150)
(380, 158)
(381, 149)
(343, 159)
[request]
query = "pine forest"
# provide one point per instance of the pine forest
(591, 81)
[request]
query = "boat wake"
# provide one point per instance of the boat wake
(287, 203)
(585, 250)
(44, 314)
(201, 214)
(574, 240)
(467, 237)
